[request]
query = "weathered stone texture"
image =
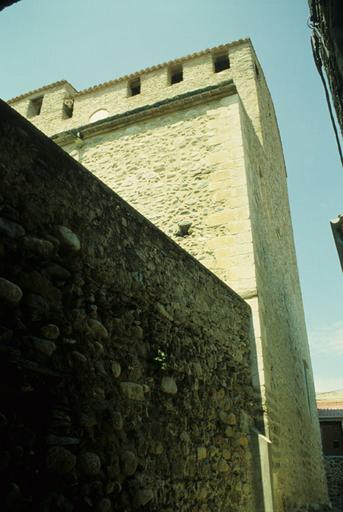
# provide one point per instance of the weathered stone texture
(334, 474)
(207, 168)
(203, 183)
(124, 362)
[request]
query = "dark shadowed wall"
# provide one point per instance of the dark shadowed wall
(125, 364)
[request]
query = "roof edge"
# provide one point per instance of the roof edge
(134, 74)
(164, 64)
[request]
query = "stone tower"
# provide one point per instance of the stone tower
(194, 146)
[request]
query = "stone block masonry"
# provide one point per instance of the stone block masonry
(125, 364)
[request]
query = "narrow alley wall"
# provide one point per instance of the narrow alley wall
(125, 364)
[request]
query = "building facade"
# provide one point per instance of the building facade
(330, 413)
(194, 146)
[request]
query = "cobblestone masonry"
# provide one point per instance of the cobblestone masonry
(334, 473)
(203, 160)
(125, 364)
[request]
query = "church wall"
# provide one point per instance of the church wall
(51, 116)
(291, 419)
(197, 73)
(186, 166)
(216, 164)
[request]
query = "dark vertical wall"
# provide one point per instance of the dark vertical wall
(125, 365)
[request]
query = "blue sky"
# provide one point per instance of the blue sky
(88, 42)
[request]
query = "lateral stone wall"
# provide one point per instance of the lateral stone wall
(125, 368)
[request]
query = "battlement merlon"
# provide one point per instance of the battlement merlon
(59, 107)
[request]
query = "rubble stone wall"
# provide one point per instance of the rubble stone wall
(334, 474)
(125, 364)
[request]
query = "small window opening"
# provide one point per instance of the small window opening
(336, 444)
(257, 73)
(68, 106)
(175, 74)
(221, 62)
(135, 87)
(35, 106)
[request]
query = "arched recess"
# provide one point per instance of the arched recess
(98, 114)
